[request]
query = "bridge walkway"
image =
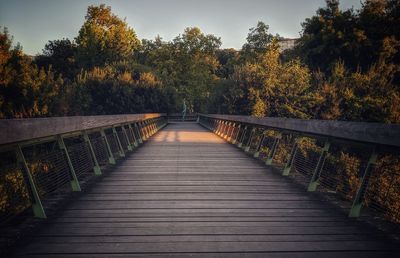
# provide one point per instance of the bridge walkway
(187, 193)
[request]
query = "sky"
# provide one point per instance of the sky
(34, 22)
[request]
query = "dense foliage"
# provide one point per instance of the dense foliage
(345, 66)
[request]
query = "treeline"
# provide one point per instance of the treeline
(345, 66)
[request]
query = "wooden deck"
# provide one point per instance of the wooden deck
(187, 193)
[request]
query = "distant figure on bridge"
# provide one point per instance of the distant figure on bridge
(184, 111)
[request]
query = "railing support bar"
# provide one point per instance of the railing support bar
(252, 132)
(121, 150)
(275, 145)
(74, 182)
(314, 182)
(289, 163)
(126, 138)
(111, 158)
(37, 206)
(259, 146)
(359, 198)
(96, 167)
(133, 135)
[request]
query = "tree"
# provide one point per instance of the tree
(104, 38)
(258, 40)
(25, 90)
(274, 88)
(227, 59)
(186, 66)
(59, 54)
(329, 36)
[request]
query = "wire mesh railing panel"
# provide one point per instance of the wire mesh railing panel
(343, 170)
(255, 139)
(236, 133)
(80, 158)
(307, 156)
(283, 150)
(49, 170)
(112, 141)
(122, 139)
(383, 191)
(14, 193)
(245, 136)
(130, 135)
(99, 149)
(136, 131)
(268, 142)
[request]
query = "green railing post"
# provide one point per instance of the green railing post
(359, 198)
(74, 182)
(150, 127)
(139, 133)
(218, 128)
(153, 125)
(228, 130)
(133, 134)
(235, 140)
(271, 154)
(96, 167)
(111, 158)
(127, 138)
(314, 182)
(215, 125)
(230, 133)
(225, 129)
(218, 131)
(247, 147)
(147, 128)
(142, 131)
(37, 207)
(121, 150)
(257, 153)
(292, 155)
(240, 143)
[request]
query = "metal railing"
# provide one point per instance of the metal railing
(359, 162)
(45, 158)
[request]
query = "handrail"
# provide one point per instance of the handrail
(19, 130)
(358, 161)
(382, 134)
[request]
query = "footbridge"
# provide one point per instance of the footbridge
(215, 186)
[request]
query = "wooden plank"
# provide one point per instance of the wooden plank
(203, 238)
(167, 218)
(300, 254)
(203, 212)
(86, 230)
(216, 188)
(135, 224)
(195, 204)
(197, 196)
(199, 247)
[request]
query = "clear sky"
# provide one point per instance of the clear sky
(34, 22)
